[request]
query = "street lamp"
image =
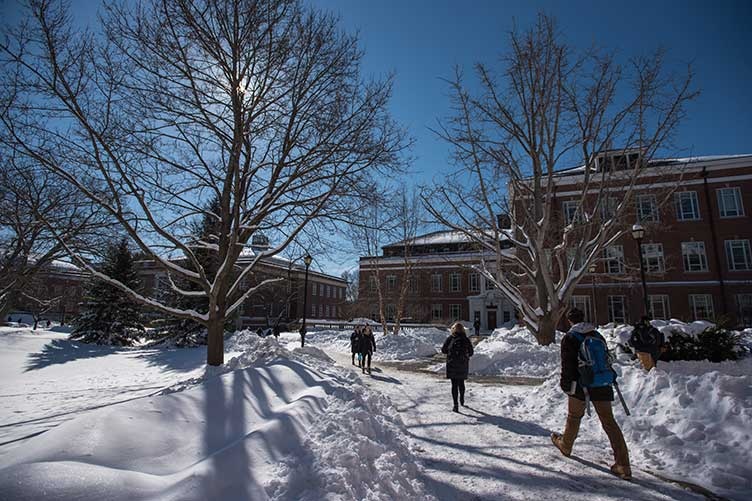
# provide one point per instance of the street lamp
(307, 260)
(638, 232)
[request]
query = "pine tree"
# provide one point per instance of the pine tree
(109, 315)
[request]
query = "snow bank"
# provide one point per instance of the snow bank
(690, 420)
(515, 352)
(409, 344)
(271, 424)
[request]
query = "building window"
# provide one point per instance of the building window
(334, 311)
(490, 285)
(454, 282)
(437, 312)
(327, 311)
(454, 311)
(321, 311)
(659, 306)
(730, 202)
(436, 282)
(647, 209)
(652, 258)
(572, 256)
(687, 208)
(375, 314)
(391, 282)
(390, 312)
(744, 309)
(702, 306)
(608, 207)
(313, 289)
(582, 303)
(474, 285)
(693, 254)
(617, 309)
(570, 210)
(614, 256)
(372, 284)
(412, 285)
(738, 255)
(313, 310)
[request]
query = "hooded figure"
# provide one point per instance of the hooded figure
(355, 344)
(458, 350)
(367, 347)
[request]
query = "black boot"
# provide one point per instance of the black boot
(455, 409)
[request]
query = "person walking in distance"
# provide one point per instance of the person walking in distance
(648, 342)
(367, 347)
(355, 344)
(580, 345)
(458, 350)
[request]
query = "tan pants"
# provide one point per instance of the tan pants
(646, 359)
(605, 414)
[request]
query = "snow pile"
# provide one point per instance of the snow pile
(690, 420)
(271, 424)
(409, 344)
(515, 352)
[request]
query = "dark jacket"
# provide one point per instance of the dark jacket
(647, 339)
(367, 343)
(355, 342)
(458, 350)
(570, 347)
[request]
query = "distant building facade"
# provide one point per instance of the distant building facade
(55, 293)
(443, 282)
(696, 248)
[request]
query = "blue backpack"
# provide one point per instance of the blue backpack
(594, 364)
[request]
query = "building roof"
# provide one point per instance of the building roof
(660, 162)
(442, 237)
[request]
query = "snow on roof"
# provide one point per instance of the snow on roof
(438, 238)
(662, 161)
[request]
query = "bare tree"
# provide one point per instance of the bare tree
(259, 104)
(408, 218)
(29, 196)
(550, 106)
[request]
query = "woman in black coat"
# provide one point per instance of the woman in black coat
(458, 350)
(355, 344)
(367, 347)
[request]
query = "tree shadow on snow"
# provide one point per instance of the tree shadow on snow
(61, 351)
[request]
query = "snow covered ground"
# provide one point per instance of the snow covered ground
(281, 422)
(271, 424)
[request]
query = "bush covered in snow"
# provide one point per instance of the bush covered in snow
(715, 344)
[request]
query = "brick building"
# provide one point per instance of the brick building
(58, 287)
(443, 286)
(696, 248)
(281, 300)
(696, 252)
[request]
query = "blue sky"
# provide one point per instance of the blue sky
(421, 41)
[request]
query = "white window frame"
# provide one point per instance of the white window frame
(391, 282)
(733, 265)
(608, 207)
(327, 311)
(391, 312)
(695, 301)
(455, 312)
(412, 284)
(612, 302)
(373, 283)
(437, 308)
(454, 282)
(614, 254)
(321, 311)
(725, 212)
(582, 303)
(651, 216)
(662, 299)
(436, 279)
(314, 285)
(653, 251)
(313, 310)
(696, 251)
(679, 197)
(334, 310)
(570, 210)
(473, 282)
(744, 301)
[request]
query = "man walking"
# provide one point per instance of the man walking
(647, 342)
(600, 396)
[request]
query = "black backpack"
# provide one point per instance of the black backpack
(645, 337)
(458, 349)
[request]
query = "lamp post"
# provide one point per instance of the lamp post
(638, 232)
(307, 260)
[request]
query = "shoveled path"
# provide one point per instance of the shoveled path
(485, 453)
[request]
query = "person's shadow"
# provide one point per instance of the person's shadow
(509, 424)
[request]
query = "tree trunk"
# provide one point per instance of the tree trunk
(546, 333)
(215, 349)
